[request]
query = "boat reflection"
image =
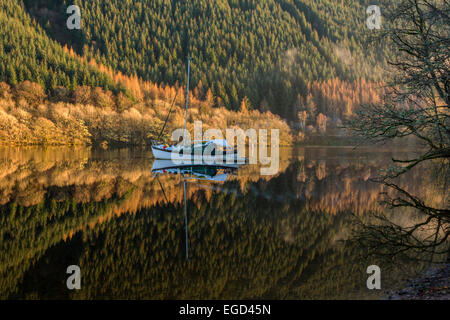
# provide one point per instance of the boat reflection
(211, 171)
(193, 170)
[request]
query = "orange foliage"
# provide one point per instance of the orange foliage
(338, 99)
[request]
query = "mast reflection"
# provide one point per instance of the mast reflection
(192, 171)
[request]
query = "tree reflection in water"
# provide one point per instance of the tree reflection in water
(283, 236)
(414, 108)
(425, 237)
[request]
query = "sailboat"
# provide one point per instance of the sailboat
(210, 150)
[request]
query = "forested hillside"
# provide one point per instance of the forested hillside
(307, 61)
(27, 53)
(265, 50)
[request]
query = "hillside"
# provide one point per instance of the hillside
(306, 61)
(73, 100)
(27, 53)
(265, 50)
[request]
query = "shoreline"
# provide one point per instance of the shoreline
(432, 284)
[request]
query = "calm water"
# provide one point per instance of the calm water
(252, 236)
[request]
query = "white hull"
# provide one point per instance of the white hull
(188, 158)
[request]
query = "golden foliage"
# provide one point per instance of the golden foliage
(97, 116)
(32, 92)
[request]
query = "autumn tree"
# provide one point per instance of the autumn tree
(123, 102)
(321, 121)
(244, 105)
(209, 98)
(101, 98)
(311, 106)
(32, 92)
(302, 117)
(60, 94)
(5, 91)
(82, 95)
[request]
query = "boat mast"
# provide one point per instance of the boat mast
(186, 219)
(187, 99)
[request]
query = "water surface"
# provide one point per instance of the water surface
(250, 237)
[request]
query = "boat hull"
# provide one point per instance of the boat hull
(162, 154)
